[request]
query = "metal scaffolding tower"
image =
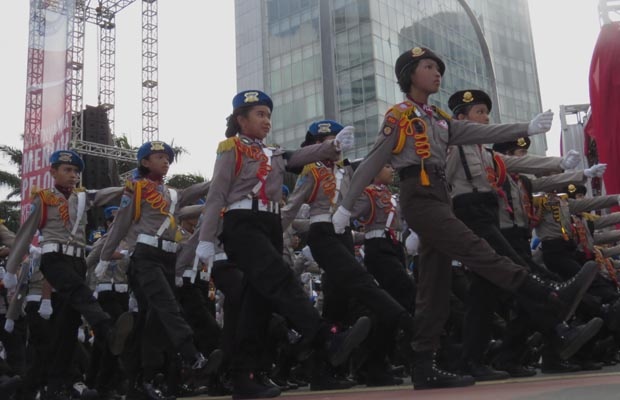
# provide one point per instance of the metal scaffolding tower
(609, 11)
(150, 89)
(103, 14)
(34, 78)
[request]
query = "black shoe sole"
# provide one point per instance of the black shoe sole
(591, 329)
(356, 335)
(589, 270)
(215, 361)
(266, 394)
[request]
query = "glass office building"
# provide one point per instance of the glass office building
(335, 58)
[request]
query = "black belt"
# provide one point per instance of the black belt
(414, 170)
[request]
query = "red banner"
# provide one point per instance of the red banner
(48, 121)
(604, 121)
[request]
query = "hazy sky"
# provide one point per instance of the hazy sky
(197, 70)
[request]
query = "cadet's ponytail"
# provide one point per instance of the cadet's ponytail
(232, 126)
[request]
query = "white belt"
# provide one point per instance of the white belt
(189, 273)
(220, 257)
(103, 287)
(33, 297)
(154, 241)
(321, 218)
(381, 233)
(66, 249)
(250, 204)
(121, 287)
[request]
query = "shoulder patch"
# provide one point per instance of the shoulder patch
(307, 169)
(227, 145)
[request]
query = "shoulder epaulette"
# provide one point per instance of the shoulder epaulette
(590, 216)
(308, 168)
(34, 191)
(442, 113)
(401, 108)
(226, 145)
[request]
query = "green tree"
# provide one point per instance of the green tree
(183, 181)
(9, 207)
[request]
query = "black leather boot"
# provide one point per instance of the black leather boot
(563, 297)
(427, 375)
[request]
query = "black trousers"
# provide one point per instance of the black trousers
(151, 277)
(334, 255)
(386, 261)
(38, 348)
(103, 365)
(200, 318)
(253, 242)
(72, 298)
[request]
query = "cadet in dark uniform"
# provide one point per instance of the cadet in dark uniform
(146, 222)
(60, 215)
(247, 186)
(414, 138)
(322, 185)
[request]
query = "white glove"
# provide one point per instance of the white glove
(81, 335)
(178, 281)
(35, 251)
(205, 252)
(9, 324)
(341, 219)
(570, 160)
(102, 268)
(10, 280)
(124, 253)
(541, 123)
(595, 171)
(346, 138)
(307, 253)
(412, 243)
(132, 306)
(45, 309)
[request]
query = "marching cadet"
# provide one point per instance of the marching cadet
(379, 212)
(414, 138)
(112, 293)
(60, 215)
(145, 220)
(194, 301)
(247, 188)
(322, 185)
(476, 175)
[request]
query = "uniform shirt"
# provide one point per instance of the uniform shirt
(442, 132)
(554, 213)
(54, 216)
(488, 169)
(117, 270)
(517, 211)
(317, 186)
(239, 166)
(144, 208)
(374, 207)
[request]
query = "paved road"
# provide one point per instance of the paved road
(598, 385)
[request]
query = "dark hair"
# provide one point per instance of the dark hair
(232, 126)
(404, 79)
(142, 170)
(463, 110)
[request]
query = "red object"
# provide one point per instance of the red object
(604, 122)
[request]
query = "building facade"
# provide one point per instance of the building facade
(335, 58)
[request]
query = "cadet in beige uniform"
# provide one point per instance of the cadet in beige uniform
(146, 222)
(60, 215)
(414, 138)
(247, 187)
